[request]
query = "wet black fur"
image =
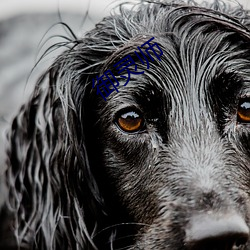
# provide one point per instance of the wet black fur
(76, 181)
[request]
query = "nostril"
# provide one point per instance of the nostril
(217, 232)
(241, 241)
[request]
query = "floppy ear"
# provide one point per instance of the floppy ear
(54, 197)
(51, 186)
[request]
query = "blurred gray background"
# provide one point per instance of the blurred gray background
(26, 23)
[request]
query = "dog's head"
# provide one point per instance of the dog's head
(162, 163)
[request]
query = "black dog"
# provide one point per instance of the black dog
(163, 163)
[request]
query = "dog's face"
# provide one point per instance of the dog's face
(175, 140)
(162, 163)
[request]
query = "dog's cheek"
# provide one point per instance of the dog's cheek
(242, 141)
(131, 172)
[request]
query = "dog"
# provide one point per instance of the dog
(162, 163)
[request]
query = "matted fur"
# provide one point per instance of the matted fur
(78, 182)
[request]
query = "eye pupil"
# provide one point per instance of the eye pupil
(130, 122)
(243, 113)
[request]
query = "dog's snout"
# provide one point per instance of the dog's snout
(217, 232)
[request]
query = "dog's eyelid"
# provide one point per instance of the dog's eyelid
(244, 95)
(125, 109)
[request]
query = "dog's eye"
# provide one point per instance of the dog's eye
(243, 113)
(130, 121)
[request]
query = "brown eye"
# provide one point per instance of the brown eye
(130, 121)
(243, 113)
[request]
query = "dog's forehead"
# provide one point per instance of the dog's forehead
(192, 64)
(203, 51)
(194, 51)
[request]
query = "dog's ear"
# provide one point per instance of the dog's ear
(53, 195)
(51, 186)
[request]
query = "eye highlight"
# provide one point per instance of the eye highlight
(243, 112)
(130, 121)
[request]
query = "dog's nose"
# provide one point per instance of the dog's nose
(217, 232)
